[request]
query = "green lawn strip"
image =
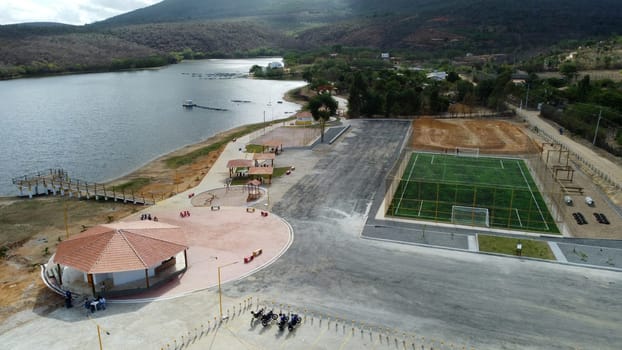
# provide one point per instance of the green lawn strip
(507, 245)
(132, 185)
(189, 158)
(251, 148)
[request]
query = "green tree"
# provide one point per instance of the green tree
(568, 70)
(322, 107)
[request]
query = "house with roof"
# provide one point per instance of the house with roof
(276, 65)
(437, 76)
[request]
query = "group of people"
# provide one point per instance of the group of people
(95, 304)
(148, 217)
(184, 213)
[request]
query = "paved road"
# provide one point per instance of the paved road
(487, 302)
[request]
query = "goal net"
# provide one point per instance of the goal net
(473, 216)
(467, 152)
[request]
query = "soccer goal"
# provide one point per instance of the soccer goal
(473, 216)
(467, 152)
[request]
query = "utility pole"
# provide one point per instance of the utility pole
(597, 124)
(527, 98)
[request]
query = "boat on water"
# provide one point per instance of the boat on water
(188, 104)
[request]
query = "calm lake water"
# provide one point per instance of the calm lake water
(101, 126)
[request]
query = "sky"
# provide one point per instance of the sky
(66, 11)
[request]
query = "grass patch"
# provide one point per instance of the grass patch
(251, 148)
(278, 172)
(189, 158)
(507, 245)
(133, 185)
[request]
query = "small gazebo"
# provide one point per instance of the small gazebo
(125, 253)
(264, 158)
(273, 145)
(262, 171)
(239, 167)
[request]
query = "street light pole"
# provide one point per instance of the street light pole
(597, 124)
(219, 289)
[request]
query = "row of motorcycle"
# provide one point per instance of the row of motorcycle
(291, 321)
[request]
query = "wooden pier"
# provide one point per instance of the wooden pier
(57, 182)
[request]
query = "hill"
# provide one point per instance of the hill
(446, 28)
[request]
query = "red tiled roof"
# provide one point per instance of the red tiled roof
(239, 163)
(272, 143)
(264, 156)
(124, 246)
(261, 170)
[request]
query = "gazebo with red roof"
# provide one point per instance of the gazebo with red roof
(235, 165)
(124, 253)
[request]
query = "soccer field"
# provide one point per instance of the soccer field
(480, 191)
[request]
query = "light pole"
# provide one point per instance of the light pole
(597, 124)
(66, 225)
(220, 290)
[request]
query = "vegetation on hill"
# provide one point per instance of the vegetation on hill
(210, 28)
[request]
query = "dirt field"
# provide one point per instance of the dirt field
(490, 136)
(291, 136)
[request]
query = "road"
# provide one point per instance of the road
(482, 301)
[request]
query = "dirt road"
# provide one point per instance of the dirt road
(608, 174)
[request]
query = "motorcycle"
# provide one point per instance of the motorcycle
(282, 321)
(257, 314)
(268, 317)
(294, 320)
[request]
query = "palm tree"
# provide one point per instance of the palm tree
(322, 107)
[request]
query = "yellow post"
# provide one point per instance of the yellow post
(99, 336)
(219, 289)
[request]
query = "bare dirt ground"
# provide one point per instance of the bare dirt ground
(490, 136)
(508, 137)
(29, 233)
(291, 136)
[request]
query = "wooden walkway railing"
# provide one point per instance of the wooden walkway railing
(57, 182)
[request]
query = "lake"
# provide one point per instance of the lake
(101, 126)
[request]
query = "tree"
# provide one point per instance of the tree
(322, 106)
(568, 70)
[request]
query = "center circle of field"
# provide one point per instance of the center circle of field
(218, 237)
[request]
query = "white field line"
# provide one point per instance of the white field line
(410, 173)
(501, 161)
(420, 206)
(532, 196)
(432, 161)
(518, 216)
